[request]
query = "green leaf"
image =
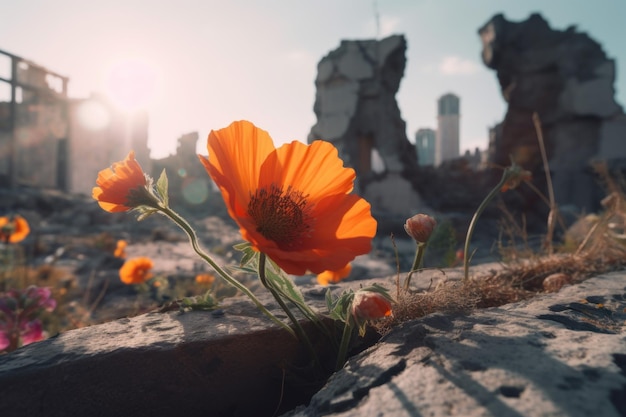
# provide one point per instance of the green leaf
(144, 212)
(250, 258)
(241, 246)
(162, 187)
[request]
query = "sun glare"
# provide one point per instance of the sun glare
(131, 84)
(93, 115)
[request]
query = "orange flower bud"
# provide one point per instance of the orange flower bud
(369, 305)
(420, 227)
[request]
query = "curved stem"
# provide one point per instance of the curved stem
(419, 254)
(193, 238)
(299, 331)
(470, 231)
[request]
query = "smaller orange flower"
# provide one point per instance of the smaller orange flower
(205, 279)
(328, 277)
(120, 249)
(13, 229)
(123, 186)
(136, 270)
(369, 305)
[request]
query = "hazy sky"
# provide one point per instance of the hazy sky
(203, 64)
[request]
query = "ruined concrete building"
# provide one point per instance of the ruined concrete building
(357, 111)
(567, 79)
(52, 141)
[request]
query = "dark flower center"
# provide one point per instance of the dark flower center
(281, 216)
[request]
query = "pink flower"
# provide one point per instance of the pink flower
(19, 312)
(4, 340)
(31, 331)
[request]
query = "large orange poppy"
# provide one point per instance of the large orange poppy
(120, 184)
(293, 203)
(13, 229)
(136, 270)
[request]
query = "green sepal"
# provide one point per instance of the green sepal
(162, 188)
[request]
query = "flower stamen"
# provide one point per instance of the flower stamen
(281, 216)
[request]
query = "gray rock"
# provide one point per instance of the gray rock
(562, 354)
(567, 79)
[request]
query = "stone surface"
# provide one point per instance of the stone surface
(228, 362)
(567, 79)
(562, 354)
(357, 111)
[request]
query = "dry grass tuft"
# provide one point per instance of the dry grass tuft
(601, 249)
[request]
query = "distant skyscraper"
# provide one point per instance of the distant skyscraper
(425, 146)
(448, 118)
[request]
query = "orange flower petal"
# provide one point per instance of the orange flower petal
(236, 154)
(328, 277)
(315, 168)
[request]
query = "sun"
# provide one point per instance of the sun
(131, 84)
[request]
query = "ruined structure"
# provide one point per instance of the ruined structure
(357, 111)
(189, 184)
(52, 141)
(567, 79)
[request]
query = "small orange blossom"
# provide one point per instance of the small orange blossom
(120, 249)
(136, 270)
(206, 279)
(294, 203)
(120, 185)
(13, 229)
(328, 277)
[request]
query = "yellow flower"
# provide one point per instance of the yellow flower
(328, 277)
(123, 186)
(206, 279)
(120, 249)
(136, 270)
(293, 203)
(13, 229)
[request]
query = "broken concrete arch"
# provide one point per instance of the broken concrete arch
(357, 112)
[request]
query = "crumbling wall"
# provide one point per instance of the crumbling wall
(567, 79)
(357, 111)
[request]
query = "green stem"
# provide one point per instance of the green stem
(345, 343)
(470, 231)
(419, 254)
(193, 238)
(299, 331)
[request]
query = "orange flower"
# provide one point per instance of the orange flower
(206, 279)
(120, 249)
(136, 270)
(292, 203)
(327, 277)
(123, 186)
(13, 229)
